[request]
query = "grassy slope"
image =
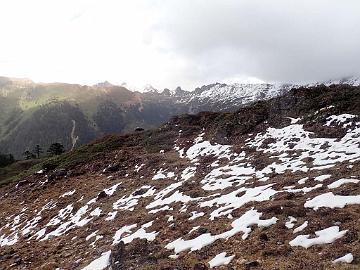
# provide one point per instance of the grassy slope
(69, 160)
(15, 171)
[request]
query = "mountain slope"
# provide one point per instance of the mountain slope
(274, 185)
(108, 109)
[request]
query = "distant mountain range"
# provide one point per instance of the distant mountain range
(43, 113)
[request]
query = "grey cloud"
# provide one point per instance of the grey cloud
(279, 40)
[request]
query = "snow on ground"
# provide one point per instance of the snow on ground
(111, 190)
(331, 201)
(124, 230)
(290, 224)
(325, 236)
(229, 202)
(195, 215)
(93, 234)
(303, 180)
(125, 233)
(348, 258)
(99, 263)
(220, 259)
(202, 148)
(141, 234)
(69, 193)
(341, 182)
(301, 227)
(242, 224)
(236, 172)
(304, 189)
(96, 212)
(340, 120)
(111, 216)
(322, 177)
(231, 182)
(129, 202)
(344, 149)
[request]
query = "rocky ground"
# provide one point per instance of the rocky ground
(273, 186)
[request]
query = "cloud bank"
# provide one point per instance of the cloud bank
(190, 42)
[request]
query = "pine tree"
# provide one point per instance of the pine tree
(28, 155)
(38, 151)
(56, 149)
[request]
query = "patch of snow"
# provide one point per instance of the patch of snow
(111, 190)
(196, 215)
(303, 180)
(348, 258)
(140, 233)
(301, 227)
(188, 173)
(193, 229)
(290, 224)
(242, 224)
(322, 177)
(124, 230)
(138, 167)
(99, 263)
(325, 236)
(294, 120)
(227, 176)
(129, 202)
(205, 148)
(331, 201)
(340, 119)
(93, 234)
(111, 216)
(232, 201)
(341, 182)
(161, 175)
(69, 193)
(96, 212)
(304, 190)
(220, 259)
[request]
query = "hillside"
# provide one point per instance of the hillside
(274, 185)
(39, 113)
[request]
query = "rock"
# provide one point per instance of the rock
(102, 195)
(27, 236)
(202, 230)
(112, 168)
(139, 129)
(263, 237)
(117, 255)
(251, 264)
(140, 192)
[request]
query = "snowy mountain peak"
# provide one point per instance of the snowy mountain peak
(104, 84)
(150, 89)
(351, 80)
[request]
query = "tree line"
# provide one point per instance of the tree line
(55, 149)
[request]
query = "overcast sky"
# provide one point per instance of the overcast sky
(168, 43)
